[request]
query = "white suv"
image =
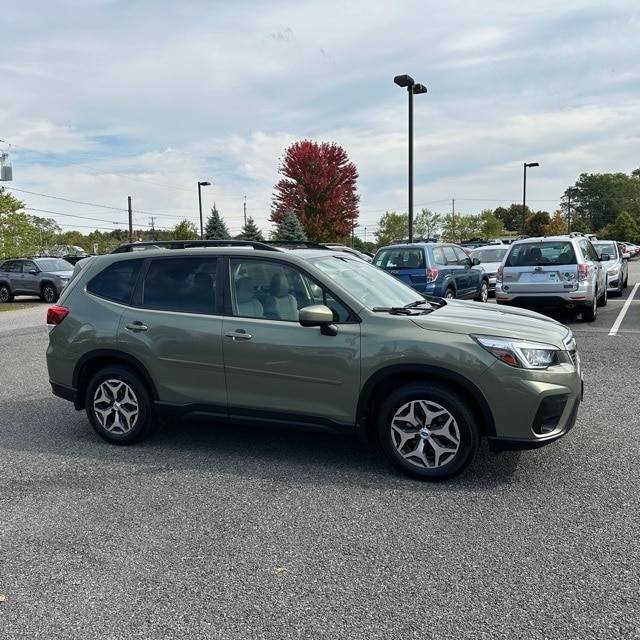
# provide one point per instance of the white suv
(553, 272)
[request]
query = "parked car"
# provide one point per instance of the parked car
(490, 258)
(307, 338)
(435, 269)
(617, 266)
(42, 277)
(554, 272)
(631, 249)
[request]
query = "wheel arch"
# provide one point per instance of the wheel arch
(90, 363)
(385, 381)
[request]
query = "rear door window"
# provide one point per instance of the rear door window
(116, 282)
(186, 285)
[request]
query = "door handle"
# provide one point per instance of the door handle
(239, 334)
(136, 326)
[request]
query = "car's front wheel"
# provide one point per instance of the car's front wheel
(49, 293)
(428, 431)
(119, 405)
(5, 293)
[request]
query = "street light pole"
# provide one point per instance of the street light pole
(524, 190)
(201, 184)
(570, 190)
(412, 88)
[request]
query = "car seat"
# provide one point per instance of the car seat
(280, 304)
(246, 303)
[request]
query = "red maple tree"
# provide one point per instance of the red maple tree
(319, 186)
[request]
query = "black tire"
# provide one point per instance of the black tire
(119, 405)
(428, 431)
(449, 294)
(483, 294)
(604, 298)
(5, 294)
(590, 313)
(49, 293)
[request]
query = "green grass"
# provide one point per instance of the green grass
(11, 306)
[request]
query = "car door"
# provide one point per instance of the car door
(279, 371)
(174, 327)
(12, 273)
(467, 277)
(591, 256)
(30, 281)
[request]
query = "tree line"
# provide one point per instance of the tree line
(316, 199)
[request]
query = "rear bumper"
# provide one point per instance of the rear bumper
(66, 393)
(541, 302)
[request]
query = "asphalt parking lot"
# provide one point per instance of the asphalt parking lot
(206, 531)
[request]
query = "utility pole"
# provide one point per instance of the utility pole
(245, 211)
(130, 219)
(153, 229)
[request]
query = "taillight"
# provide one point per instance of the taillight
(432, 275)
(583, 272)
(55, 315)
(499, 274)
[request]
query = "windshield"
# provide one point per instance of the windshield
(372, 286)
(54, 264)
(489, 255)
(605, 247)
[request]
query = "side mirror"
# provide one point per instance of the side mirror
(475, 261)
(33, 272)
(605, 257)
(318, 315)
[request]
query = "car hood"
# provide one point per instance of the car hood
(489, 319)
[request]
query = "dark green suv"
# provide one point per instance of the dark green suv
(308, 338)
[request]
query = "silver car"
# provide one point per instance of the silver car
(617, 266)
(554, 272)
(490, 257)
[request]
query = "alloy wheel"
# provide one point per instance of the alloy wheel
(425, 434)
(116, 406)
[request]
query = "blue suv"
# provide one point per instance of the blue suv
(440, 269)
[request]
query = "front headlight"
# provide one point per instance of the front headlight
(522, 354)
(614, 271)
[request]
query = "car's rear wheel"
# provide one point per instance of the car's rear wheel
(590, 313)
(483, 294)
(119, 405)
(604, 298)
(49, 293)
(428, 431)
(5, 293)
(449, 293)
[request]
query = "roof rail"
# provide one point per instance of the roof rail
(297, 244)
(190, 244)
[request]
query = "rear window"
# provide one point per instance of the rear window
(400, 259)
(531, 255)
(117, 281)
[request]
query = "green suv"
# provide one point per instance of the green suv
(307, 338)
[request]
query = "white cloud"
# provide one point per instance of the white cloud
(110, 99)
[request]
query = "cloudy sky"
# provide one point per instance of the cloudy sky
(104, 99)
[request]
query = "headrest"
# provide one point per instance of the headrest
(279, 286)
(244, 289)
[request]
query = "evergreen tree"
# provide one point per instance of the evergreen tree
(250, 231)
(216, 229)
(289, 228)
